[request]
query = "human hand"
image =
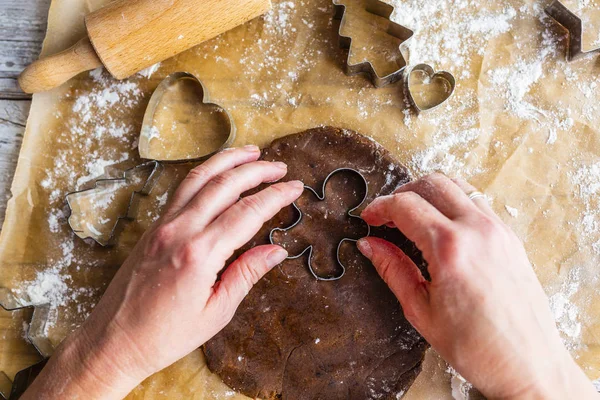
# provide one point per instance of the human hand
(165, 301)
(484, 310)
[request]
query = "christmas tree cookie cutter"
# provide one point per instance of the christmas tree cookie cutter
(574, 25)
(154, 170)
(383, 10)
(309, 249)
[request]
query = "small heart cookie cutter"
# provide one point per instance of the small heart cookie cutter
(574, 25)
(155, 171)
(384, 10)
(431, 73)
(148, 122)
(321, 196)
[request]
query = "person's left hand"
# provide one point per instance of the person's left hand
(166, 300)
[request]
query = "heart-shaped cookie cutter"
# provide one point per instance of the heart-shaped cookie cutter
(384, 10)
(321, 196)
(431, 73)
(572, 23)
(156, 99)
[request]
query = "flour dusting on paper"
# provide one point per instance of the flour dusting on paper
(566, 313)
(459, 385)
(454, 37)
(458, 138)
(586, 180)
(91, 113)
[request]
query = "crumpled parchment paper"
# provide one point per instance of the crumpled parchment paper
(523, 126)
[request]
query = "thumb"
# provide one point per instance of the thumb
(241, 276)
(401, 275)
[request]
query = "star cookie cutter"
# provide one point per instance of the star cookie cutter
(23, 379)
(381, 9)
(447, 77)
(155, 171)
(321, 196)
(156, 99)
(36, 335)
(36, 332)
(574, 25)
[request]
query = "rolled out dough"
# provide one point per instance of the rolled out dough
(294, 337)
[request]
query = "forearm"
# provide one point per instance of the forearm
(567, 382)
(82, 369)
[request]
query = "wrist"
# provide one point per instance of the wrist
(567, 381)
(84, 368)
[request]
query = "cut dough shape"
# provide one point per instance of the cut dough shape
(294, 337)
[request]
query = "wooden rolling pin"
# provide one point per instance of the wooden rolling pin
(127, 36)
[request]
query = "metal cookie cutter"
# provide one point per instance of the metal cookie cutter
(379, 8)
(35, 335)
(36, 332)
(148, 129)
(155, 170)
(449, 86)
(573, 23)
(23, 379)
(309, 249)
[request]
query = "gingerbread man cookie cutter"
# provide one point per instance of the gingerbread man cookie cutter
(309, 249)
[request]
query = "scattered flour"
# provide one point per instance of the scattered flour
(460, 387)
(162, 199)
(451, 37)
(90, 119)
(586, 180)
(49, 287)
(566, 313)
(513, 212)
(148, 72)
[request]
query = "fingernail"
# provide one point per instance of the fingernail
(365, 248)
(297, 184)
(251, 148)
(280, 165)
(276, 257)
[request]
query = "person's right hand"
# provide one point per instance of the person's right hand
(484, 310)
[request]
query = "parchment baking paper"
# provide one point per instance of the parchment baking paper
(523, 126)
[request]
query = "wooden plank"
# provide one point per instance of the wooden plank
(22, 30)
(13, 116)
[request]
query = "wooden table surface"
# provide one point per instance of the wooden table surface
(22, 30)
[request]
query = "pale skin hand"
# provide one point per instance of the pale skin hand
(165, 301)
(484, 310)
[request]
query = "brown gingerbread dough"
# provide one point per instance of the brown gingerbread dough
(294, 337)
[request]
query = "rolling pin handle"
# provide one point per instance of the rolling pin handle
(53, 71)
